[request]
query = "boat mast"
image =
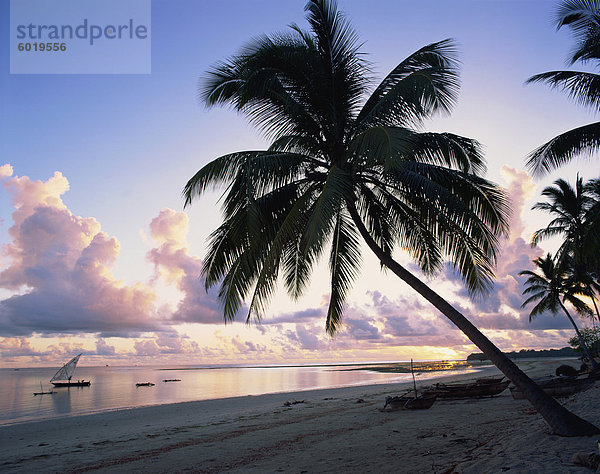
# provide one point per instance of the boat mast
(66, 371)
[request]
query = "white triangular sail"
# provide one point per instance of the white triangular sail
(66, 371)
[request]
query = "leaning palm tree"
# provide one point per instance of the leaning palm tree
(583, 17)
(550, 290)
(341, 167)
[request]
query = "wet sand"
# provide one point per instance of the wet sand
(330, 431)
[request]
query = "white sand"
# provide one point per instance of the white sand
(329, 432)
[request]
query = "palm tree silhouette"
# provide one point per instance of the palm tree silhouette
(583, 87)
(550, 289)
(574, 211)
(340, 168)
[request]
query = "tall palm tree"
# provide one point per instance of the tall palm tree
(583, 18)
(573, 209)
(551, 290)
(592, 189)
(340, 168)
(574, 219)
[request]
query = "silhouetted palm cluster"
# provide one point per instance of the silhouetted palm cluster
(573, 274)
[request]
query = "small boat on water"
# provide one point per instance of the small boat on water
(144, 384)
(41, 392)
(407, 402)
(63, 378)
(557, 386)
(172, 380)
(470, 390)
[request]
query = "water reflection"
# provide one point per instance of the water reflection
(62, 401)
(114, 387)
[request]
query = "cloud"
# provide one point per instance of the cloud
(6, 171)
(173, 263)
(166, 343)
(102, 348)
(303, 315)
(16, 347)
(60, 264)
(501, 307)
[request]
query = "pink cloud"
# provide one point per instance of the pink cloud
(16, 347)
(172, 262)
(501, 307)
(165, 344)
(61, 264)
(104, 349)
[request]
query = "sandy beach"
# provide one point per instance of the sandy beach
(330, 431)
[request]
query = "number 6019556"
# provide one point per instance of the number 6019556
(42, 46)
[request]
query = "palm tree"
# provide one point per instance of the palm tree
(340, 168)
(575, 217)
(551, 290)
(582, 16)
(592, 189)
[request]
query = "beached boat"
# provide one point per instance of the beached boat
(557, 386)
(63, 378)
(144, 384)
(490, 379)
(406, 402)
(469, 390)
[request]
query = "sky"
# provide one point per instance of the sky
(97, 254)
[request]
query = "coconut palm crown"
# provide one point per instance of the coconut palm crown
(583, 18)
(345, 164)
(337, 155)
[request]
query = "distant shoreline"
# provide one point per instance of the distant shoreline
(567, 352)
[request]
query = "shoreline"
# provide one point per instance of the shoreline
(394, 376)
(403, 385)
(328, 432)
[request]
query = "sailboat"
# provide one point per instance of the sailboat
(62, 378)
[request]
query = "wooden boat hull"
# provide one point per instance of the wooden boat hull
(422, 402)
(145, 384)
(83, 383)
(473, 390)
(485, 380)
(557, 388)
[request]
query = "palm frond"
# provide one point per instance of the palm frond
(424, 83)
(584, 141)
(582, 87)
(583, 17)
(344, 262)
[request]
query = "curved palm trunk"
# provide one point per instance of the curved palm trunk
(561, 421)
(581, 341)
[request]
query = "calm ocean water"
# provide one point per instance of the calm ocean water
(114, 388)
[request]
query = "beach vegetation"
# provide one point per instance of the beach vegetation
(591, 337)
(349, 160)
